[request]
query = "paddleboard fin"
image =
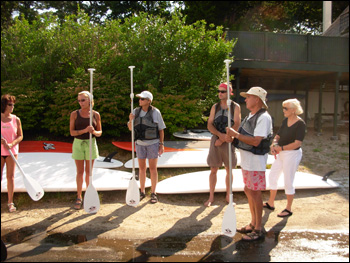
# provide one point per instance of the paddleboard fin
(325, 177)
(109, 157)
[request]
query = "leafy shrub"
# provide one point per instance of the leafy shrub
(46, 63)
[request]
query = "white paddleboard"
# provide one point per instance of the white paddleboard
(187, 159)
(198, 182)
(194, 134)
(56, 172)
(63, 147)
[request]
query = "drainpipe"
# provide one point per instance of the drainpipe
(327, 15)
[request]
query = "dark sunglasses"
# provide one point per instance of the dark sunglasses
(285, 108)
(82, 100)
(143, 99)
(222, 91)
(10, 104)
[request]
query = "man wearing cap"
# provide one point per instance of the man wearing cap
(149, 135)
(218, 151)
(252, 139)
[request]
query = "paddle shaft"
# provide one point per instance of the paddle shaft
(92, 201)
(90, 134)
(14, 158)
(34, 185)
(229, 220)
(227, 61)
(132, 122)
(132, 193)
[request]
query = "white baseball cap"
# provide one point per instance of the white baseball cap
(146, 95)
(257, 91)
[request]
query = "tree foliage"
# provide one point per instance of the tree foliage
(273, 16)
(45, 65)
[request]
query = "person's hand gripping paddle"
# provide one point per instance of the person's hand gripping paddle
(34, 189)
(91, 198)
(132, 193)
(228, 227)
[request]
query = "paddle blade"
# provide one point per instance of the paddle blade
(91, 200)
(228, 227)
(34, 189)
(133, 193)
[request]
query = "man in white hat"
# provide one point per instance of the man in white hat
(253, 140)
(149, 135)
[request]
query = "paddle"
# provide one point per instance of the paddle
(91, 198)
(228, 227)
(34, 189)
(132, 193)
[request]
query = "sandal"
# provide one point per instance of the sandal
(142, 195)
(154, 198)
(244, 230)
(12, 207)
(266, 205)
(253, 236)
(78, 204)
(289, 213)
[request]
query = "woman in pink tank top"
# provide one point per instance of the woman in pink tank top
(12, 135)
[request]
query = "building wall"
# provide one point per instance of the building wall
(275, 107)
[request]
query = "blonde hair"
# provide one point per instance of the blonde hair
(294, 104)
(88, 95)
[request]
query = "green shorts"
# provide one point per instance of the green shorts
(81, 149)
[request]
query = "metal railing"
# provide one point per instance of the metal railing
(266, 46)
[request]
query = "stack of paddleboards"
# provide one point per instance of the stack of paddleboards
(187, 159)
(51, 165)
(198, 182)
(194, 134)
(180, 157)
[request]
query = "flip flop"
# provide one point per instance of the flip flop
(289, 213)
(266, 205)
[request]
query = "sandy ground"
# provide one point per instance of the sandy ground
(315, 209)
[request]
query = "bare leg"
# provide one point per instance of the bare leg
(258, 208)
(87, 171)
(251, 205)
(290, 199)
(272, 198)
(212, 184)
(10, 163)
(154, 173)
(142, 173)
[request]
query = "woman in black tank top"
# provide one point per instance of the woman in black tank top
(80, 128)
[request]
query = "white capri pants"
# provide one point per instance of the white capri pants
(287, 162)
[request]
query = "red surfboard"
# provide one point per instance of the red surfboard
(45, 146)
(127, 146)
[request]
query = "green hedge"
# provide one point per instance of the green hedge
(45, 65)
